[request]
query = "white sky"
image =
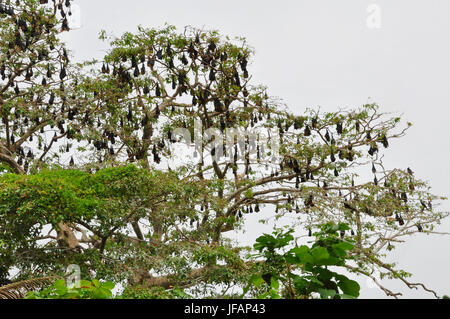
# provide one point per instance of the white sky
(321, 53)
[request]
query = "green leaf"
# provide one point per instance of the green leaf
(320, 254)
(86, 284)
(257, 280)
(108, 285)
(96, 283)
(274, 294)
(344, 245)
(303, 253)
(348, 286)
(274, 283)
(300, 250)
(60, 284)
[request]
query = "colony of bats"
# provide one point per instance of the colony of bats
(210, 80)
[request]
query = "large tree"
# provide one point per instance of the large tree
(167, 102)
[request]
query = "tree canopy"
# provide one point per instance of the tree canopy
(134, 167)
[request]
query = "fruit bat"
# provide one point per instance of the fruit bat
(404, 197)
(310, 201)
(151, 62)
(350, 156)
(222, 124)
(423, 204)
(156, 158)
(184, 59)
(267, 278)
(63, 73)
(169, 51)
(212, 46)
(307, 131)
(223, 57)
(212, 75)
(401, 222)
(28, 75)
(145, 120)
(327, 136)
(332, 157)
(217, 105)
(339, 127)
(385, 142)
(52, 98)
(130, 114)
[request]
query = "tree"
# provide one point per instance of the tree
(159, 94)
(41, 108)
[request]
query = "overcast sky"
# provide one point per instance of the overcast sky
(331, 54)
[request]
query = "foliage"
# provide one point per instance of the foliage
(104, 200)
(153, 293)
(280, 269)
(88, 290)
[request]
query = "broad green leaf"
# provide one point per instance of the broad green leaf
(108, 285)
(257, 280)
(96, 283)
(320, 254)
(344, 245)
(274, 283)
(349, 287)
